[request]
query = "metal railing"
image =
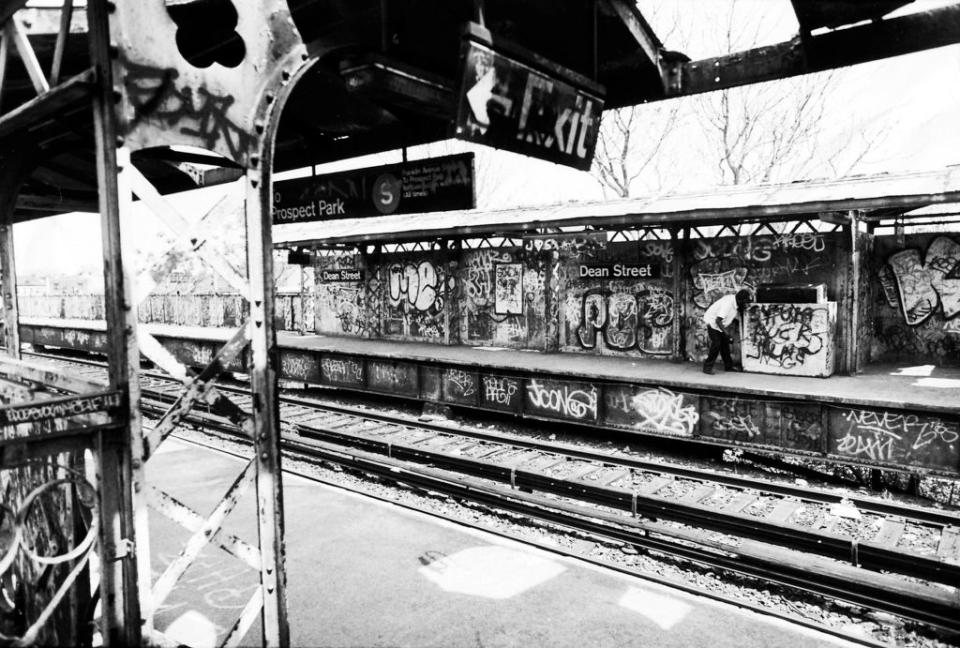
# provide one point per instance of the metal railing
(294, 313)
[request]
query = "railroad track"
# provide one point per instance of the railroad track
(801, 537)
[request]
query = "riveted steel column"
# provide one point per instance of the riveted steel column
(121, 620)
(8, 270)
(263, 385)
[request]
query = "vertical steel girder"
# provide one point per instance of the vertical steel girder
(120, 578)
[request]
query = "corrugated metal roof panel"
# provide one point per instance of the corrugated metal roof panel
(909, 191)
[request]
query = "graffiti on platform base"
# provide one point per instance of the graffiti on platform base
(342, 371)
(460, 386)
(555, 398)
(299, 366)
(393, 377)
(651, 409)
(733, 419)
(801, 426)
(500, 392)
(924, 287)
(793, 338)
(889, 437)
(641, 321)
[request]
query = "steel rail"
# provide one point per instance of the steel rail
(869, 505)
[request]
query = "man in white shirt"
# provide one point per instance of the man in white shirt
(718, 317)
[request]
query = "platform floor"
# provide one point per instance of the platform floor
(365, 573)
(921, 388)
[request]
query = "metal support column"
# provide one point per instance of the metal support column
(263, 385)
(8, 270)
(121, 619)
(854, 278)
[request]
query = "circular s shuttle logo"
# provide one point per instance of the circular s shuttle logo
(386, 193)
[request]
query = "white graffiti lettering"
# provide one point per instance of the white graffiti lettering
(575, 403)
(663, 411)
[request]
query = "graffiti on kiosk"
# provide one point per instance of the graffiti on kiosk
(924, 286)
(563, 399)
(785, 334)
(627, 321)
(661, 410)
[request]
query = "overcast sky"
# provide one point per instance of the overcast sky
(916, 98)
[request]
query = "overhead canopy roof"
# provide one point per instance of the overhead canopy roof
(387, 74)
(877, 196)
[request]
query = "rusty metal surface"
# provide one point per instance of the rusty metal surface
(167, 100)
(907, 191)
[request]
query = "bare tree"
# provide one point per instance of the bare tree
(778, 131)
(629, 146)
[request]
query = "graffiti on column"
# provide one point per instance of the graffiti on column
(928, 285)
(154, 95)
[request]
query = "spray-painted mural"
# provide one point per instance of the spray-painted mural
(916, 299)
(791, 339)
(340, 295)
(501, 298)
(723, 265)
(410, 292)
(617, 299)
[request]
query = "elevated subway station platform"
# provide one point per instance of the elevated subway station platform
(894, 416)
(430, 588)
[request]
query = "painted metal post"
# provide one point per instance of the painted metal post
(120, 604)
(854, 279)
(263, 386)
(8, 268)
(678, 309)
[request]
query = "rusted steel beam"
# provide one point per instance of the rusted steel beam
(72, 92)
(207, 532)
(251, 611)
(180, 226)
(638, 27)
(66, 15)
(14, 32)
(48, 375)
(193, 522)
(200, 388)
(55, 204)
(266, 416)
(120, 577)
(59, 408)
(4, 57)
(881, 39)
(8, 281)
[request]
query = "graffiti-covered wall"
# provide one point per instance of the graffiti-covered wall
(616, 298)
(408, 294)
(340, 295)
(501, 298)
(722, 265)
(915, 299)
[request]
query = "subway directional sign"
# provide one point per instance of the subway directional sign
(520, 102)
(433, 184)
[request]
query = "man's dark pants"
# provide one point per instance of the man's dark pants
(719, 343)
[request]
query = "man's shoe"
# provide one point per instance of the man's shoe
(708, 370)
(734, 368)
